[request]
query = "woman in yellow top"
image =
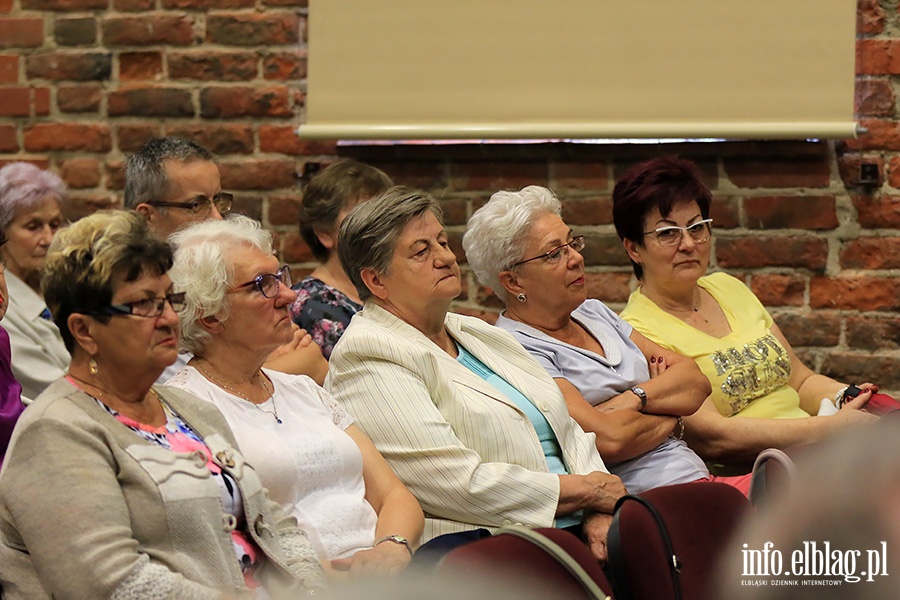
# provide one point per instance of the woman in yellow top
(661, 213)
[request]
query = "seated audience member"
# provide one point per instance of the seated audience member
(465, 416)
(326, 299)
(518, 245)
(11, 406)
(30, 214)
(834, 527)
(114, 488)
(763, 395)
(173, 183)
(309, 455)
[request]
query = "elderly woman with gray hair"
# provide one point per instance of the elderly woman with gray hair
(314, 461)
(30, 214)
(468, 420)
(629, 391)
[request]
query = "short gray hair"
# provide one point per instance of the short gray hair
(369, 233)
(495, 234)
(23, 186)
(145, 173)
(202, 270)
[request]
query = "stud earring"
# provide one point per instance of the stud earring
(92, 366)
(521, 297)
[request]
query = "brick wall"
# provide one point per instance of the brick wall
(84, 82)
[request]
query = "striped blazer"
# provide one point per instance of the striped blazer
(466, 451)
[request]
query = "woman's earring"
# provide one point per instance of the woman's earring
(521, 297)
(92, 366)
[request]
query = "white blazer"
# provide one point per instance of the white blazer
(466, 451)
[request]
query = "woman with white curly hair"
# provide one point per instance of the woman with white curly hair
(315, 462)
(30, 214)
(618, 384)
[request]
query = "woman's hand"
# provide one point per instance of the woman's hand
(657, 366)
(595, 531)
(387, 558)
(300, 356)
(596, 491)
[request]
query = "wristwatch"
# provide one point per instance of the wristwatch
(640, 393)
(397, 539)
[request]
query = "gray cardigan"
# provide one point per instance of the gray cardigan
(90, 510)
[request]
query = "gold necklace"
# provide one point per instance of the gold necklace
(271, 393)
(105, 394)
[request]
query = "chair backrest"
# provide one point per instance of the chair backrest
(550, 560)
(665, 544)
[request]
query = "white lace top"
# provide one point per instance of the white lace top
(308, 463)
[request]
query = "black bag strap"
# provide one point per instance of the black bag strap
(616, 562)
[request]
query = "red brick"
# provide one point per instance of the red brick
(818, 329)
(709, 169)
(137, 66)
(492, 176)
(82, 205)
(294, 249)
(43, 137)
(16, 102)
(6, 6)
(893, 172)
(77, 66)
(266, 29)
(871, 253)
(608, 287)
(40, 163)
(79, 98)
(778, 171)
(150, 102)
(604, 249)
(131, 137)
(779, 290)
(21, 33)
(284, 210)
(863, 366)
(757, 252)
(877, 57)
(80, 172)
(213, 66)
(873, 332)
(258, 174)
(285, 66)
(80, 31)
(235, 102)
(133, 5)
(148, 31)
(418, 174)
(591, 210)
(877, 211)
(725, 212)
(579, 176)
(455, 213)
(204, 4)
(9, 69)
(64, 5)
(789, 212)
(8, 138)
(869, 17)
(41, 101)
(283, 139)
(849, 164)
(855, 293)
(219, 139)
(874, 98)
(249, 206)
(882, 135)
(115, 174)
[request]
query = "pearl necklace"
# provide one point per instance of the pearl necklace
(265, 379)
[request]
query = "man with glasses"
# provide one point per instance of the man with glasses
(174, 182)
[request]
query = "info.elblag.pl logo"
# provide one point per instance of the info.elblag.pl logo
(813, 563)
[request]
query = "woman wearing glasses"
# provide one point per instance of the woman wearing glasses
(114, 488)
(310, 456)
(629, 391)
(661, 212)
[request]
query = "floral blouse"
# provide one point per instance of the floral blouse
(323, 311)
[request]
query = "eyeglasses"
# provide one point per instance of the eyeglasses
(202, 206)
(149, 307)
(267, 284)
(577, 244)
(672, 235)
